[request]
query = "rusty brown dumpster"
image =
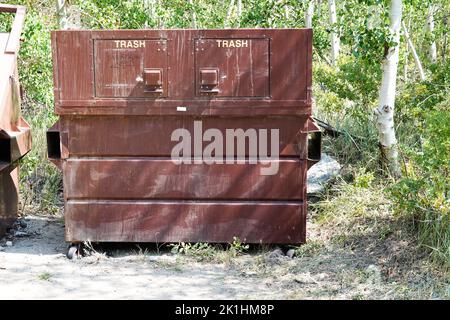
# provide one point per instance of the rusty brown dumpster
(15, 137)
(183, 135)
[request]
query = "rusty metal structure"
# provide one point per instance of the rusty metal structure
(15, 135)
(121, 94)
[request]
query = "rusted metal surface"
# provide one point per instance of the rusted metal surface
(15, 136)
(124, 135)
(285, 91)
(162, 179)
(121, 94)
(169, 221)
(118, 80)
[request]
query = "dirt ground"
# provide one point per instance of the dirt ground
(35, 267)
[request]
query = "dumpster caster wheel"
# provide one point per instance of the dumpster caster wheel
(73, 252)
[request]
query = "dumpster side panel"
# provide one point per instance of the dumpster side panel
(125, 136)
(138, 178)
(191, 221)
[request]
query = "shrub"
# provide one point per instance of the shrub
(423, 193)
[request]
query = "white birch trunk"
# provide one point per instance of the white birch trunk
(309, 14)
(384, 113)
(149, 6)
(61, 11)
(444, 45)
(287, 11)
(69, 16)
(239, 12)
(229, 13)
(335, 42)
(405, 66)
(194, 16)
(414, 53)
(430, 25)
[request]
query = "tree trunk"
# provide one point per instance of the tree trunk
(287, 11)
(149, 7)
(194, 16)
(405, 65)
(239, 12)
(414, 53)
(309, 14)
(239, 8)
(430, 25)
(444, 45)
(61, 11)
(384, 113)
(335, 43)
(229, 13)
(69, 16)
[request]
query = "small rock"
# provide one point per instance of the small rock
(153, 258)
(321, 173)
(290, 253)
(372, 269)
(2, 249)
(9, 243)
(23, 224)
(20, 234)
(276, 253)
(275, 256)
(305, 279)
(373, 274)
(321, 276)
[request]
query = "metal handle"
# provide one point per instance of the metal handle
(150, 88)
(153, 80)
(209, 90)
(153, 90)
(209, 80)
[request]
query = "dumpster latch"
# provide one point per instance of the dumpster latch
(153, 80)
(209, 80)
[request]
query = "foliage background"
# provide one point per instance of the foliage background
(345, 95)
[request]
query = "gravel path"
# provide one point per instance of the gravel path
(35, 267)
